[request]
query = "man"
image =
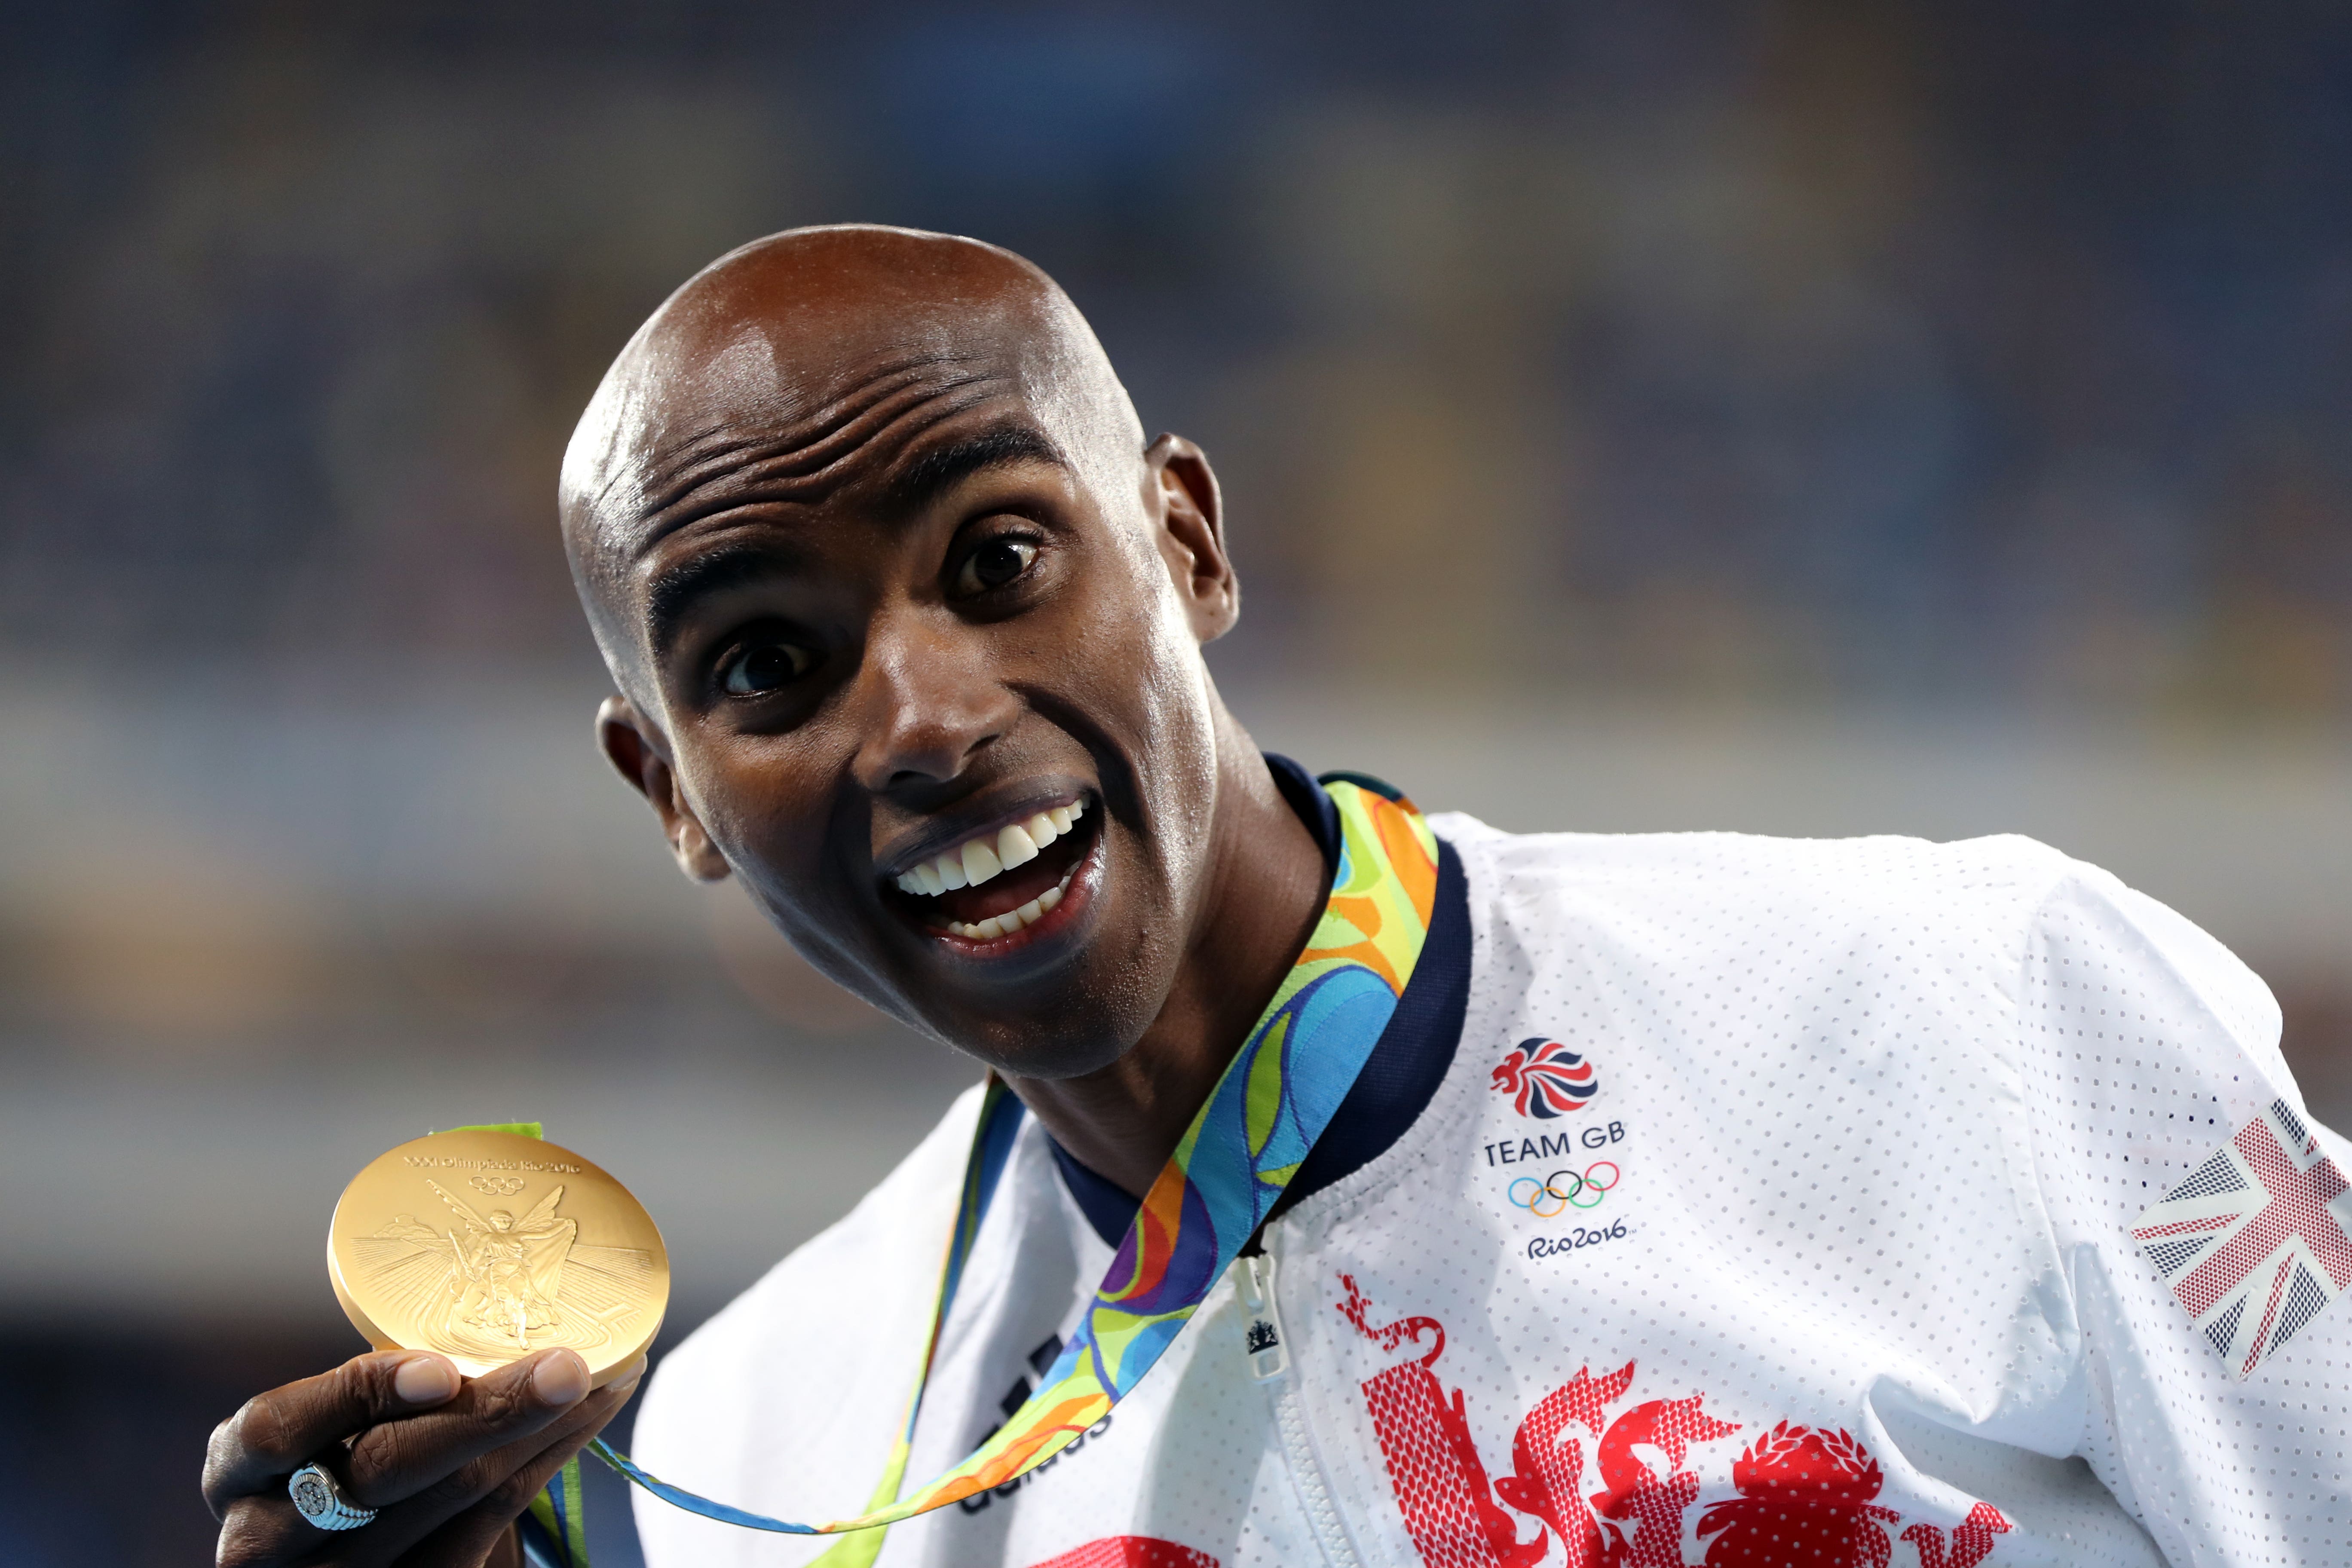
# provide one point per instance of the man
(1638, 1200)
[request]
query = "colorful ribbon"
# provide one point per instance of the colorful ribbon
(1273, 1101)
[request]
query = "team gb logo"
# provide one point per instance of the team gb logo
(1545, 1078)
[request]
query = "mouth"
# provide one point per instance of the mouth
(994, 890)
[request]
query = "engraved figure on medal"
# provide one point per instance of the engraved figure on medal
(495, 1287)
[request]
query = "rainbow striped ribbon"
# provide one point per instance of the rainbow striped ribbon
(1273, 1101)
(555, 1527)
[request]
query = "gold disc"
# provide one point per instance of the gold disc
(489, 1246)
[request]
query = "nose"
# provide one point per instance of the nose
(927, 701)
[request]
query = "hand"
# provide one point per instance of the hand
(450, 1463)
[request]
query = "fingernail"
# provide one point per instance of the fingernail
(561, 1379)
(630, 1377)
(425, 1380)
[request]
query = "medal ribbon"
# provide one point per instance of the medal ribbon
(1271, 1104)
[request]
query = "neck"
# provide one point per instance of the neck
(1264, 894)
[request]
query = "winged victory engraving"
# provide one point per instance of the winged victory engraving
(497, 1287)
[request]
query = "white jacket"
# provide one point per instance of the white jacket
(1880, 1113)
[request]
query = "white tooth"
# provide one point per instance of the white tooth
(1014, 846)
(1041, 829)
(908, 883)
(1031, 912)
(1078, 808)
(961, 928)
(989, 930)
(927, 877)
(979, 862)
(950, 870)
(1060, 817)
(1048, 899)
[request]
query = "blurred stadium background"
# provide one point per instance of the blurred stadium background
(1816, 418)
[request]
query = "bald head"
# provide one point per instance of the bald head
(805, 365)
(873, 544)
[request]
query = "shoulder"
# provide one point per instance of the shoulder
(2092, 923)
(2062, 942)
(1983, 889)
(2123, 996)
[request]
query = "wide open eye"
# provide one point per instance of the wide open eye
(993, 564)
(762, 667)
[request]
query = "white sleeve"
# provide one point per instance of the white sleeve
(2144, 1045)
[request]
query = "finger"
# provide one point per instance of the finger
(278, 1432)
(506, 1552)
(270, 1533)
(399, 1459)
(266, 1529)
(504, 1479)
(466, 1538)
(257, 1532)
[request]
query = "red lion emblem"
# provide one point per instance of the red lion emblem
(1807, 1495)
(1545, 1078)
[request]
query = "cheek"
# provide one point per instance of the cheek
(1153, 677)
(771, 827)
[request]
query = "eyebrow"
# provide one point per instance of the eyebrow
(674, 594)
(933, 473)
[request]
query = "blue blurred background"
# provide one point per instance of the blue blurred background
(1815, 418)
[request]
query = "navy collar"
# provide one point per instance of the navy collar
(1408, 1062)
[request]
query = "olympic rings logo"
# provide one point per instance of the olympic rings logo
(1565, 1190)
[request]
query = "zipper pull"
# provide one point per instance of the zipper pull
(1263, 1332)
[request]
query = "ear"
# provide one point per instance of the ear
(634, 748)
(1190, 518)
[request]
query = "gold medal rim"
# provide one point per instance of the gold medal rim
(605, 1364)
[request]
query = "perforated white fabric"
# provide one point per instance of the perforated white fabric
(1872, 1120)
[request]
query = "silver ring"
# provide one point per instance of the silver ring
(319, 1498)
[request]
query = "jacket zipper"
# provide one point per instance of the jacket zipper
(1269, 1364)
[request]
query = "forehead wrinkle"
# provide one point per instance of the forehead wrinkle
(802, 463)
(681, 461)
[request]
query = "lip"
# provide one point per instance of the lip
(991, 816)
(1058, 926)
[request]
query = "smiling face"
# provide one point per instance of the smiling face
(909, 621)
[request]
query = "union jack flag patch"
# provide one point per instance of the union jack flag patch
(2254, 1244)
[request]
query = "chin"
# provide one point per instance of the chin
(1048, 1041)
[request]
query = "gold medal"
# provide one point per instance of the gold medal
(488, 1246)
